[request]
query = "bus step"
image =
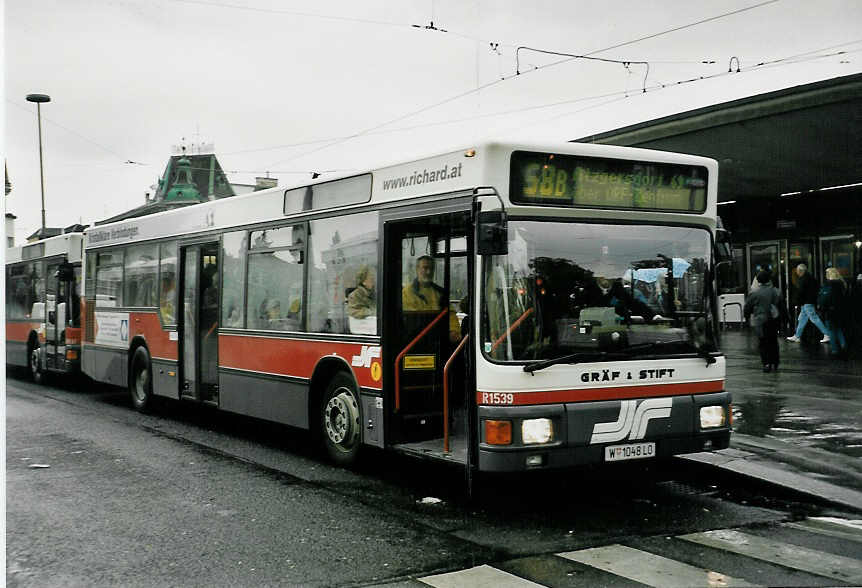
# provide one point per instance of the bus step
(433, 449)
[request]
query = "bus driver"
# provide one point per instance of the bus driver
(422, 294)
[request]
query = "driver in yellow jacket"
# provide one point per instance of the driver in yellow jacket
(422, 294)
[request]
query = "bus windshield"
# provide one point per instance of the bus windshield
(601, 289)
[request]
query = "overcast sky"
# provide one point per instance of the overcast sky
(293, 87)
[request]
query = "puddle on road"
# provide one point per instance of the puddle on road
(768, 416)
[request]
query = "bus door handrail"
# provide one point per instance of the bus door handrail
(410, 345)
(446, 392)
(512, 327)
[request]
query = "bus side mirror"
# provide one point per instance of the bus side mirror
(723, 253)
(493, 233)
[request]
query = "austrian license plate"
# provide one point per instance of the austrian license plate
(631, 451)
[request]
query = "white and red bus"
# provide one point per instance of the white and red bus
(508, 307)
(43, 305)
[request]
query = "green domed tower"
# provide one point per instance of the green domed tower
(183, 187)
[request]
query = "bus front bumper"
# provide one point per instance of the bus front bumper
(583, 431)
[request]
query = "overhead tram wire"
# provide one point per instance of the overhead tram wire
(615, 96)
(367, 21)
(624, 63)
(623, 95)
(495, 82)
(679, 28)
(619, 93)
(125, 159)
(293, 13)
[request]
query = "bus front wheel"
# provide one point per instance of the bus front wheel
(340, 420)
(34, 364)
(140, 381)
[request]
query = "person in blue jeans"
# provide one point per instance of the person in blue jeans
(807, 289)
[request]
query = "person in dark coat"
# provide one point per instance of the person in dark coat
(763, 308)
(833, 303)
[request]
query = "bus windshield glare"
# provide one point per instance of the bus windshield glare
(565, 288)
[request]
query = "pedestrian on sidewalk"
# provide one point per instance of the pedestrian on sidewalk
(833, 302)
(763, 309)
(807, 289)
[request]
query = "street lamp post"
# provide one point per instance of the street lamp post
(39, 99)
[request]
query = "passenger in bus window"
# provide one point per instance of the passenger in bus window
(422, 294)
(362, 301)
(294, 308)
(233, 316)
(272, 309)
(167, 298)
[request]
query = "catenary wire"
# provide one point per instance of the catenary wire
(495, 82)
(77, 134)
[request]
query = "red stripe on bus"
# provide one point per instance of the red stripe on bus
(20, 331)
(594, 394)
(148, 326)
(292, 357)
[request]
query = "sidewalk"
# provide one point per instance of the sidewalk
(799, 428)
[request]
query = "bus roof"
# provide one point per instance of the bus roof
(485, 165)
(68, 244)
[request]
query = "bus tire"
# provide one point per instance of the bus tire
(340, 420)
(34, 365)
(140, 380)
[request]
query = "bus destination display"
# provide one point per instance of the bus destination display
(565, 180)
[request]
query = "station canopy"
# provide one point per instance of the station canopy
(793, 140)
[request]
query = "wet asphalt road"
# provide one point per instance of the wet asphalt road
(193, 497)
(813, 401)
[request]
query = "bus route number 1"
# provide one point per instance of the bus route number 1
(497, 398)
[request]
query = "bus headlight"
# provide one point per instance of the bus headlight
(711, 417)
(537, 431)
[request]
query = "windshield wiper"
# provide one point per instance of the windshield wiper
(630, 351)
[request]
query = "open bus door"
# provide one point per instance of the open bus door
(198, 318)
(64, 307)
(428, 274)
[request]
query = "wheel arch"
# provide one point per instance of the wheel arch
(323, 372)
(32, 340)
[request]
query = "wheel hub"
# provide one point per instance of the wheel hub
(340, 416)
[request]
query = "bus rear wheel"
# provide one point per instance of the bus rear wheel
(140, 380)
(340, 420)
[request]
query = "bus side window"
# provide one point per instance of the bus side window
(168, 282)
(37, 295)
(109, 279)
(141, 265)
(234, 249)
(274, 290)
(338, 250)
(19, 291)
